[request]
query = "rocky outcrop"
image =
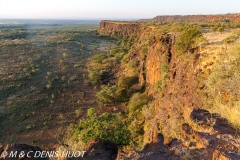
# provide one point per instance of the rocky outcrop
(121, 29)
(199, 18)
(101, 149)
(217, 154)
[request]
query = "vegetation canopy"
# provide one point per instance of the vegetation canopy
(188, 40)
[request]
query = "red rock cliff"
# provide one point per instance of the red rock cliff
(122, 29)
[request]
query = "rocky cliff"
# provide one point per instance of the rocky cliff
(173, 82)
(121, 29)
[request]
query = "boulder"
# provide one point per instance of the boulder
(197, 139)
(99, 149)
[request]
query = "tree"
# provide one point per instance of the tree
(188, 40)
(220, 29)
(107, 95)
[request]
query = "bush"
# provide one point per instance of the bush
(127, 82)
(137, 101)
(106, 126)
(230, 39)
(136, 127)
(78, 112)
(107, 95)
(91, 112)
(94, 77)
(123, 95)
(118, 52)
(98, 58)
(220, 29)
(188, 40)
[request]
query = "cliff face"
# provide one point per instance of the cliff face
(199, 18)
(154, 59)
(150, 72)
(175, 100)
(115, 29)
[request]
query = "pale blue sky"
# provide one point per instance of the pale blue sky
(113, 9)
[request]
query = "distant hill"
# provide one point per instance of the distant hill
(234, 18)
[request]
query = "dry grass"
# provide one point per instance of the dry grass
(210, 56)
(231, 113)
(216, 38)
(184, 154)
(222, 86)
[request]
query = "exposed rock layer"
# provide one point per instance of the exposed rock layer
(122, 29)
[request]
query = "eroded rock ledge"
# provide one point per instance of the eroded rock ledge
(122, 29)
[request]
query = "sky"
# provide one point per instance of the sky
(112, 9)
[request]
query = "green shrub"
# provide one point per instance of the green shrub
(188, 40)
(123, 95)
(91, 112)
(126, 82)
(98, 58)
(79, 111)
(230, 39)
(220, 29)
(94, 77)
(73, 78)
(106, 126)
(117, 51)
(137, 101)
(30, 126)
(107, 95)
(136, 127)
